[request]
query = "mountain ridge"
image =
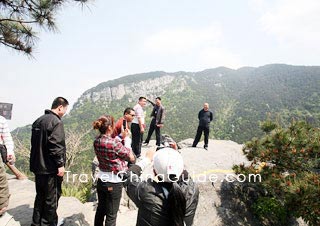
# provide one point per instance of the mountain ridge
(233, 94)
(240, 98)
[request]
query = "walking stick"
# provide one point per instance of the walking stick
(16, 172)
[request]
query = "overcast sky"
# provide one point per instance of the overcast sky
(111, 38)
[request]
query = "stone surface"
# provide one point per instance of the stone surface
(216, 203)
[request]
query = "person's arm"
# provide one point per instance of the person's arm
(140, 114)
(132, 181)
(57, 147)
(153, 104)
(199, 114)
(7, 141)
(162, 112)
(124, 151)
(191, 192)
(211, 116)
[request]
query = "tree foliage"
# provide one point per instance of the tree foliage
(288, 161)
(19, 19)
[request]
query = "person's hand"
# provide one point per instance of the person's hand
(173, 145)
(160, 125)
(142, 129)
(3, 210)
(61, 171)
(11, 159)
(150, 153)
(125, 133)
(128, 132)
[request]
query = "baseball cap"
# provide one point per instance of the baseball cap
(168, 164)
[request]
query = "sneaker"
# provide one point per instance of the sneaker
(205, 148)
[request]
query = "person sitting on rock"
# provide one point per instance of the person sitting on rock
(170, 198)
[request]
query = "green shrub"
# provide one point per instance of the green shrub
(79, 191)
(271, 207)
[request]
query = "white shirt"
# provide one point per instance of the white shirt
(139, 114)
(5, 136)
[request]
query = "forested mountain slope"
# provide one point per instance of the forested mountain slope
(240, 98)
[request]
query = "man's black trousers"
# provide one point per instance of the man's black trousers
(153, 127)
(48, 188)
(137, 137)
(206, 131)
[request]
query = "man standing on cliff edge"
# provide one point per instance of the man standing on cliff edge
(205, 116)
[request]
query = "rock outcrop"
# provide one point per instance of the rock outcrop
(210, 168)
(132, 90)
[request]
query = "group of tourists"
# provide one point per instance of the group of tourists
(168, 199)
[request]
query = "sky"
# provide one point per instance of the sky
(108, 39)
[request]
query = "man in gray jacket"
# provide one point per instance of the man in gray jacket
(158, 115)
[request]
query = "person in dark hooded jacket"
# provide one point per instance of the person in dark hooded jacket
(170, 198)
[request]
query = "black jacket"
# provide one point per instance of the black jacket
(205, 117)
(149, 197)
(48, 148)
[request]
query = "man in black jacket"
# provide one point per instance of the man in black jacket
(205, 117)
(47, 161)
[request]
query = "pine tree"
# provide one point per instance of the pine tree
(19, 18)
(288, 161)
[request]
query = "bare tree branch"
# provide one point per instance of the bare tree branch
(75, 145)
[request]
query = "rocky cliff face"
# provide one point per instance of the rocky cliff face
(132, 91)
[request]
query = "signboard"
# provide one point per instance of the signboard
(6, 110)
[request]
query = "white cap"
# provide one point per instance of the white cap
(168, 164)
